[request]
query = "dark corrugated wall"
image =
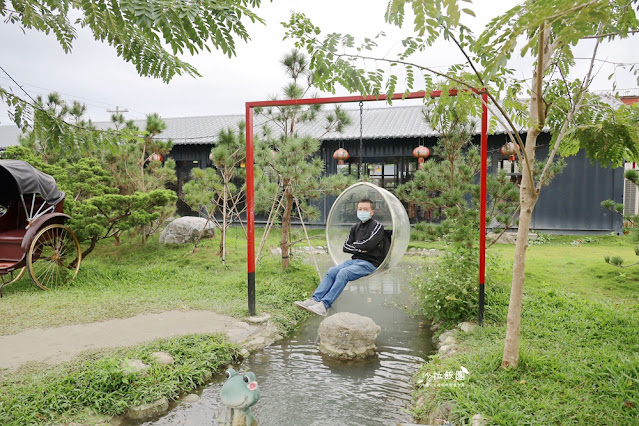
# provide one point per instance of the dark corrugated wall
(571, 203)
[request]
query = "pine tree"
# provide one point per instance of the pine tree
(290, 159)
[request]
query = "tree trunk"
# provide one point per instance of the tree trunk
(85, 253)
(143, 235)
(224, 224)
(199, 237)
(286, 226)
(528, 197)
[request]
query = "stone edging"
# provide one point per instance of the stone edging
(446, 345)
(267, 334)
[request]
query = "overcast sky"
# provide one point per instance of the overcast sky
(94, 75)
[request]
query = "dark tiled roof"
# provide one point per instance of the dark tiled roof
(378, 123)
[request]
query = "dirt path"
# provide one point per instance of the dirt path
(55, 345)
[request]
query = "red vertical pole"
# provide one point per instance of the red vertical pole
(482, 206)
(250, 209)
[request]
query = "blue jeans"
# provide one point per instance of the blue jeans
(338, 276)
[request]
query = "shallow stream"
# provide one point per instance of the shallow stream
(299, 386)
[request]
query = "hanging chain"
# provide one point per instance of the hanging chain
(361, 140)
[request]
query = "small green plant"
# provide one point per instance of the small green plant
(448, 290)
(631, 222)
(614, 260)
(541, 239)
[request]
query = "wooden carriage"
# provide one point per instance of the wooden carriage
(33, 234)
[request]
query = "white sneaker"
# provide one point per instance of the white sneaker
(318, 308)
(305, 304)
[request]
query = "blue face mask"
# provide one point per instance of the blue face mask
(363, 215)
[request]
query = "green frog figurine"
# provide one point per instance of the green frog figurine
(239, 393)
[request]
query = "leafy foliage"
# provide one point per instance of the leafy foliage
(447, 290)
(150, 35)
(290, 165)
(609, 142)
(630, 222)
(54, 139)
(447, 185)
(98, 210)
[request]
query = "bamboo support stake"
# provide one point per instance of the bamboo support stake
(310, 247)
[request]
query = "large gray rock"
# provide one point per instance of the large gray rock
(506, 238)
(347, 336)
(190, 398)
(466, 327)
(186, 230)
(133, 366)
(162, 358)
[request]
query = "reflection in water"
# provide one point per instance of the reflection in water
(300, 386)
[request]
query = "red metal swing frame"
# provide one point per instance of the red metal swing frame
(250, 188)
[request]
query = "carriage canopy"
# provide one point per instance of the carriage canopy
(21, 178)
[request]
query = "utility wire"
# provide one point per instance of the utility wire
(62, 93)
(21, 88)
(611, 62)
(88, 101)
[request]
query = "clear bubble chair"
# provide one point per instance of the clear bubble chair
(388, 210)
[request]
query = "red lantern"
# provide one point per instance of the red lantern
(421, 153)
(510, 150)
(341, 155)
(155, 157)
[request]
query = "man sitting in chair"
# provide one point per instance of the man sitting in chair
(366, 242)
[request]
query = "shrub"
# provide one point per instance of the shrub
(449, 288)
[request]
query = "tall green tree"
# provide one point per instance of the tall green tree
(152, 35)
(50, 137)
(448, 183)
(98, 211)
(228, 157)
(221, 188)
(200, 193)
(547, 30)
(448, 187)
(137, 163)
(289, 158)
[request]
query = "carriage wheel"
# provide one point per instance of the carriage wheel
(54, 257)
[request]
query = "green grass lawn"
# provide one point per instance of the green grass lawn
(121, 281)
(580, 267)
(579, 352)
(95, 387)
(579, 359)
(125, 280)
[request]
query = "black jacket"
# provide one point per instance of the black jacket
(365, 241)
